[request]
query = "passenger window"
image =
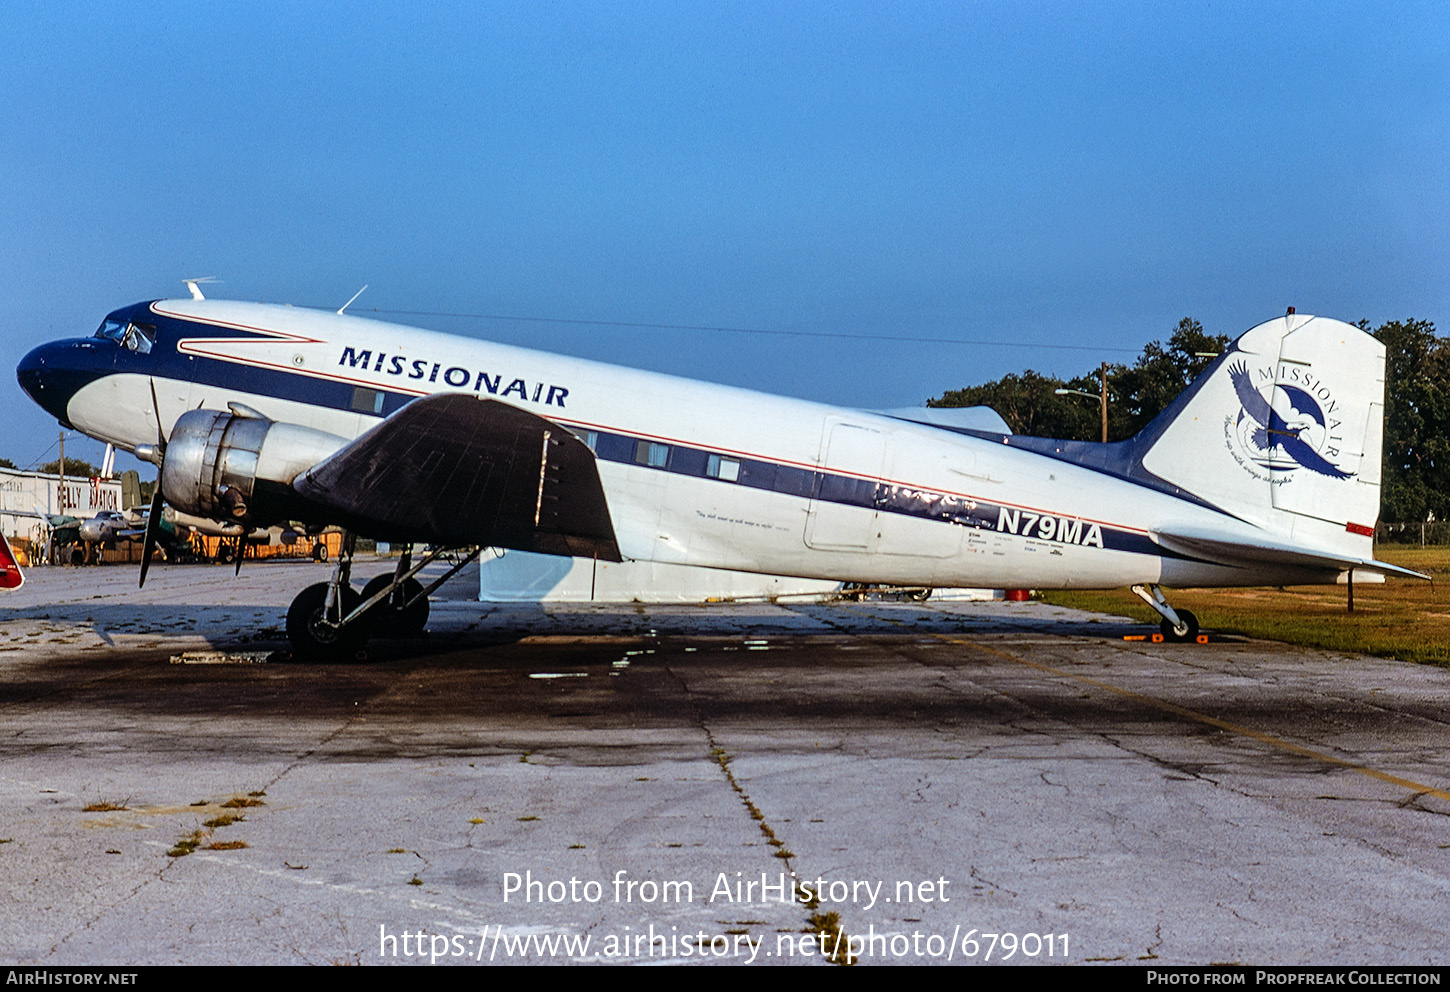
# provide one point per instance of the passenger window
(651, 454)
(727, 469)
(367, 400)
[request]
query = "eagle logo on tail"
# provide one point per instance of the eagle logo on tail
(1282, 433)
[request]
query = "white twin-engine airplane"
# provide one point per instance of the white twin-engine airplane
(1265, 471)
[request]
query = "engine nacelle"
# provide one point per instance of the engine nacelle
(220, 465)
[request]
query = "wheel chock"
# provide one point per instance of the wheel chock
(1158, 638)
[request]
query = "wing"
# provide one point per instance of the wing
(451, 469)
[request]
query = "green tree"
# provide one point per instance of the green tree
(1145, 389)
(1029, 405)
(73, 467)
(1416, 480)
(7, 463)
(1136, 393)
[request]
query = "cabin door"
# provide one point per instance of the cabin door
(842, 513)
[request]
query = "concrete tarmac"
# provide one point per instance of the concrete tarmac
(954, 781)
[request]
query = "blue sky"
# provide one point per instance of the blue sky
(1024, 174)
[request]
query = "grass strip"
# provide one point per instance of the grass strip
(1406, 619)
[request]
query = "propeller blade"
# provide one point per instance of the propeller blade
(153, 521)
(156, 406)
(153, 528)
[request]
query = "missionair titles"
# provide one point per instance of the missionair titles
(1046, 527)
(453, 375)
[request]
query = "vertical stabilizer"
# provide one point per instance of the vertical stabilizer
(1285, 430)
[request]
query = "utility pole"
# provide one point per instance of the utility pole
(60, 495)
(1103, 372)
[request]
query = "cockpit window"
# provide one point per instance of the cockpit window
(112, 330)
(133, 337)
(140, 337)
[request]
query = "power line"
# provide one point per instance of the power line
(972, 342)
(36, 460)
(69, 436)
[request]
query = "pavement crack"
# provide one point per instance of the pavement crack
(988, 883)
(1413, 802)
(826, 925)
(1056, 785)
(1152, 951)
(157, 876)
(1190, 771)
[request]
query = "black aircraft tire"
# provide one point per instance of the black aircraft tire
(397, 623)
(1170, 634)
(319, 552)
(919, 595)
(313, 641)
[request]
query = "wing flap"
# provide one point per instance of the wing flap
(1227, 551)
(451, 469)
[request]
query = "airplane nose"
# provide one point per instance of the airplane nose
(30, 372)
(50, 377)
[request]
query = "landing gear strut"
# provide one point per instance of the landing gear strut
(332, 621)
(404, 613)
(1177, 625)
(318, 630)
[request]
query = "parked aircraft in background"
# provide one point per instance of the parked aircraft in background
(1266, 471)
(235, 537)
(74, 540)
(78, 541)
(109, 526)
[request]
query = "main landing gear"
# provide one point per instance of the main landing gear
(1177, 625)
(332, 621)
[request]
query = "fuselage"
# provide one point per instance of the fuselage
(694, 473)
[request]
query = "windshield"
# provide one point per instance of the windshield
(134, 337)
(112, 330)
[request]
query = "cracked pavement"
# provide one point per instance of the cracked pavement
(1235, 802)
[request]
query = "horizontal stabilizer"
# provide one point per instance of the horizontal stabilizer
(450, 469)
(1216, 547)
